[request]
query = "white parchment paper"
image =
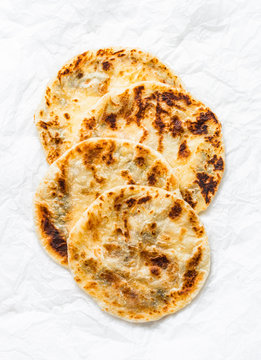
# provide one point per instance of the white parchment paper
(215, 46)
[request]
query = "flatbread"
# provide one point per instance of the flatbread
(140, 252)
(83, 173)
(182, 129)
(82, 82)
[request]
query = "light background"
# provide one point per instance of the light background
(215, 46)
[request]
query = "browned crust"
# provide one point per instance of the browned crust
(217, 162)
(184, 151)
(187, 196)
(55, 242)
(176, 210)
(156, 171)
(207, 185)
(200, 126)
(191, 277)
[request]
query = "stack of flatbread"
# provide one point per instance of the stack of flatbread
(133, 159)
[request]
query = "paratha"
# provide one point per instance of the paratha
(182, 129)
(83, 173)
(82, 82)
(140, 252)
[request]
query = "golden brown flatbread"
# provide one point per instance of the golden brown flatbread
(140, 252)
(83, 173)
(182, 129)
(82, 82)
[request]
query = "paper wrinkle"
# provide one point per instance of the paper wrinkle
(215, 47)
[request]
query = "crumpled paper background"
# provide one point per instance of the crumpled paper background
(215, 46)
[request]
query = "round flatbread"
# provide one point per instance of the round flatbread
(182, 129)
(83, 173)
(140, 252)
(82, 82)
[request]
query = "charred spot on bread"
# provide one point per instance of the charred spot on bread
(175, 211)
(200, 126)
(144, 199)
(195, 260)
(155, 270)
(218, 163)
(187, 196)
(156, 171)
(207, 185)
(160, 261)
(184, 151)
(130, 202)
(175, 126)
(55, 239)
(139, 161)
(88, 123)
(111, 120)
(106, 65)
